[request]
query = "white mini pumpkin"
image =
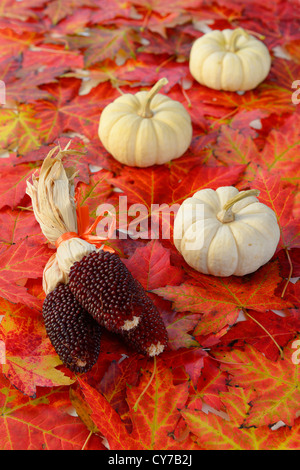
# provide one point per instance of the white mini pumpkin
(145, 129)
(230, 60)
(231, 233)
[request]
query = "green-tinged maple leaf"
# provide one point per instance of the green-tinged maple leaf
(50, 56)
(162, 24)
(20, 128)
(67, 111)
(41, 423)
(265, 97)
(178, 46)
(20, 11)
(102, 72)
(280, 198)
(154, 409)
(30, 360)
(235, 147)
(215, 432)
(191, 360)
(74, 23)
(276, 384)
(13, 44)
(18, 262)
(221, 299)
(82, 408)
(18, 90)
(211, 383)
(222, 10)
(287, 438)
(13, 184)
(58, 9)
(95, 193)
(102, 43)
(26, 373)
(9, 68)
(163, 7)
(25, 88)
(153, 421)
(180, 327)
(114, 10)
(281, 150)
(280, 328)
(146, 69)
(114, 384)
(284, 72)
(17, 225)
(41, 65)
(112, 428)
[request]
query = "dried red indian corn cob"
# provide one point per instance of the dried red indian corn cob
(150, 337)
(74, 334)
(104, 286)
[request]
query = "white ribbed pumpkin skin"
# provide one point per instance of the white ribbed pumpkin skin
(212, 65)
(138, 141)
(234, 248)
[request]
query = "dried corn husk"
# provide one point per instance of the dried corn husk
(53, 275)
(52, 195)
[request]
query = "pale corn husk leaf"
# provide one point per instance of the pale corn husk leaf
(70, 251)
(52, 196)
(53, 275)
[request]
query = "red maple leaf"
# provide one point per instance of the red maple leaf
(277, 382)
(151, 266)
(221, 299)
(22, 261)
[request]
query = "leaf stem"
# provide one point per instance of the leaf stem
(87, 439)
(135, 407)
(266, 331)
(186, 97)
(290, 273)
(228, 362)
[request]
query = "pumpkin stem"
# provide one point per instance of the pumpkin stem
(226, 215)
(146, 111)
(235, 35)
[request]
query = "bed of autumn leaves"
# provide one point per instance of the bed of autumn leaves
(230, 376)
